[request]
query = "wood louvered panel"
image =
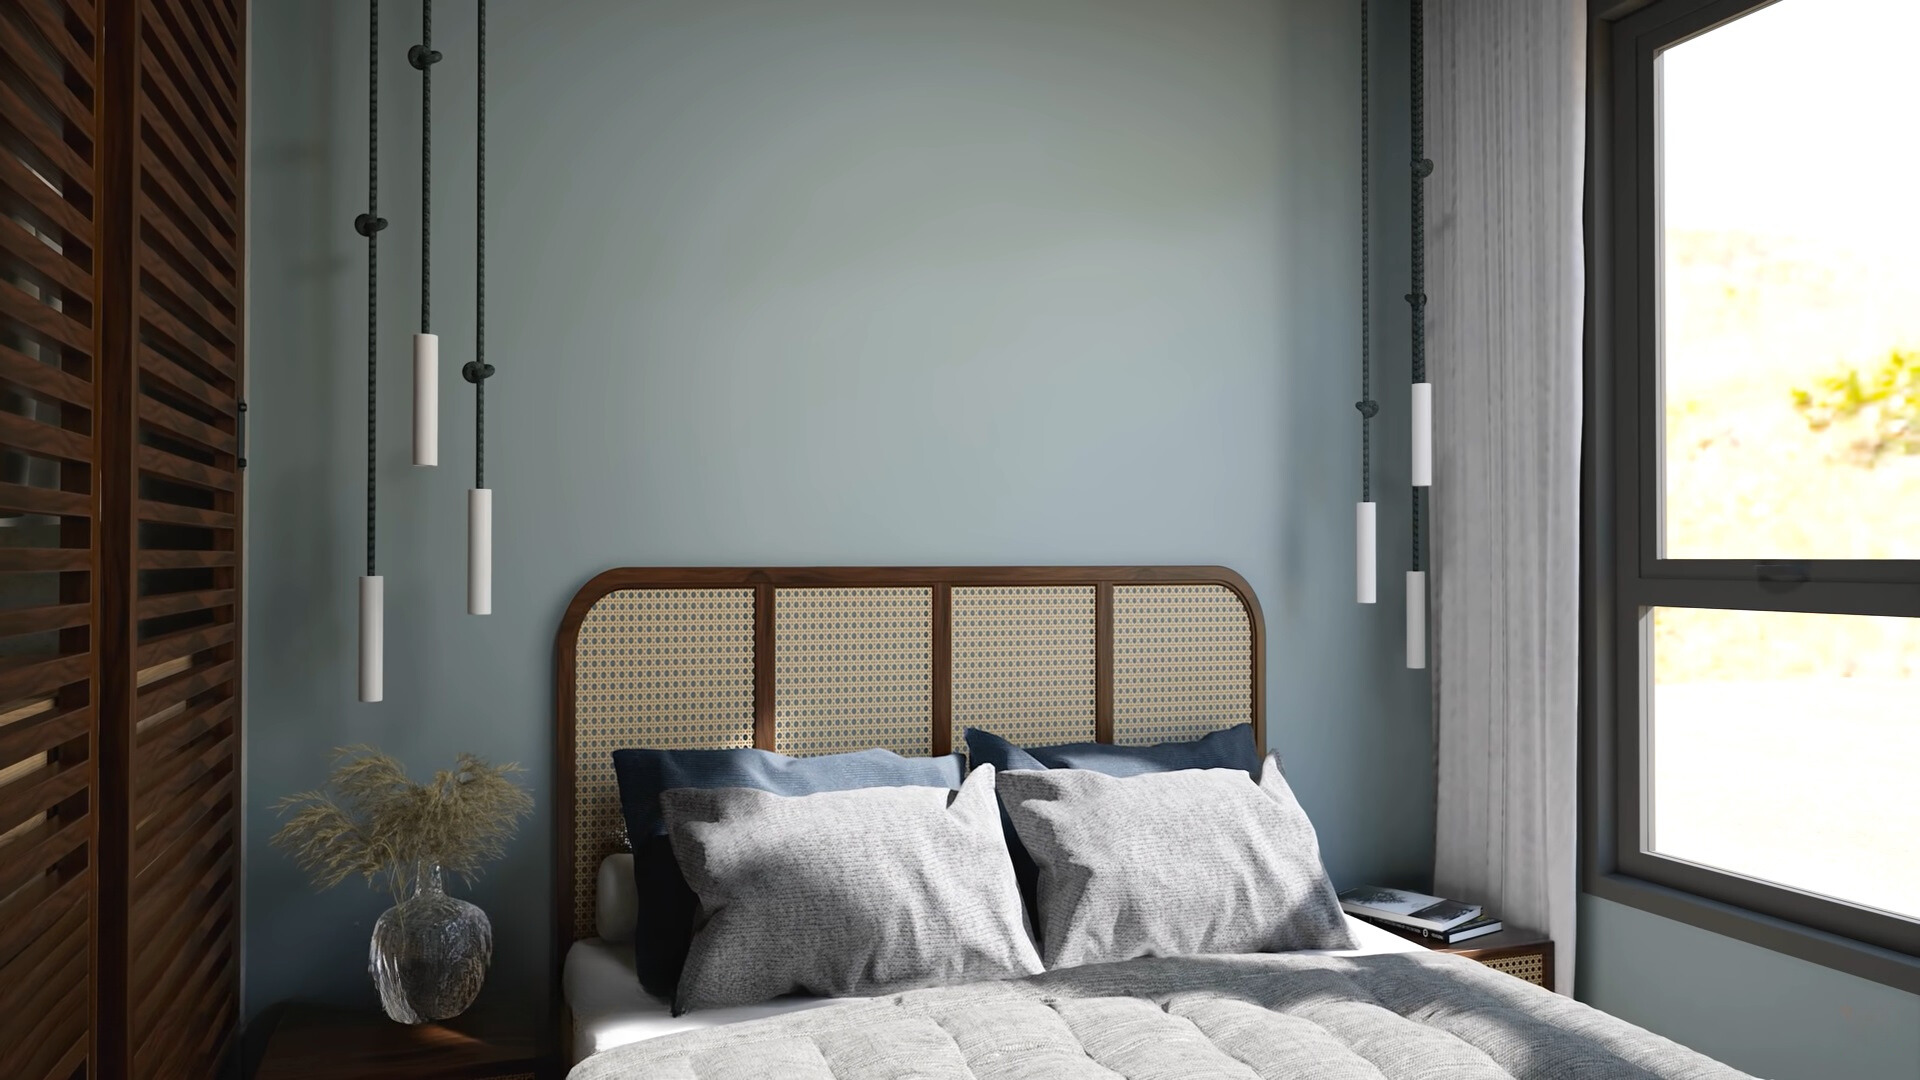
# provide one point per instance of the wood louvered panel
(183, 753)
(121, 329)
(48, 538)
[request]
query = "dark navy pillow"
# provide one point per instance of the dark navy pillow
(664, 929)
(1228, 748)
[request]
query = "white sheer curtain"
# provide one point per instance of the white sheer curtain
(1505, 102)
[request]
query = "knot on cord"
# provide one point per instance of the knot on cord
(1368, 408)
(366, 225)
(475, 372)
(422, 57)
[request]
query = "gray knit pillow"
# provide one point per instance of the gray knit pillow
(845, 892)
(1172, 864)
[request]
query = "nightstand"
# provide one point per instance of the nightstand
(1524, 954)
(316, 1043)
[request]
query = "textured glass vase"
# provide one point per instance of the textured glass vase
(430, 952)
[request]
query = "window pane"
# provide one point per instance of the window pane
(1786, 746)
(1790, 297)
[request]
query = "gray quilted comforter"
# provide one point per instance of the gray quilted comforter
(1391, 1017)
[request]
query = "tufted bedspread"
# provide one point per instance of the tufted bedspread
(1388, 1017)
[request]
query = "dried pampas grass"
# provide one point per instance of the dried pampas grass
(373, 821)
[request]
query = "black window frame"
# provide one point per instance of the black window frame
(1623, 574)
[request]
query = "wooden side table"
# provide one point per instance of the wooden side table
(1524, 954)
(316, 1043)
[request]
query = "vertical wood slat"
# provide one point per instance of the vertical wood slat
(1103, 662)
(114, 429)
(942, 736)
(763, 668)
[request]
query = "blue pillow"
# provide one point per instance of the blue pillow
(664, 930)
(1228, 748)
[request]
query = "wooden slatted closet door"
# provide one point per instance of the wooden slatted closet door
(49, 74)
(121, 315)
(181, 365)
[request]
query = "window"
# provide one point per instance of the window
(1752, 623)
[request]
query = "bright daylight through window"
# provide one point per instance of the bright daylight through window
(1784, 746)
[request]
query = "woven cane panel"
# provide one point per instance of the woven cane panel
(1023, 663)
(1182, 662)
(853, 668)
(661, 668)
(1531, 966)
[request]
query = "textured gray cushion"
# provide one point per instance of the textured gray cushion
(664, 904)
(1172, 864)
(845, 892)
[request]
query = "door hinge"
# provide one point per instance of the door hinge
(240, 436)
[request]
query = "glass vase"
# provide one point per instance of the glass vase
(430, 952)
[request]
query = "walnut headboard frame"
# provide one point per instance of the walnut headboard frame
(813, 660)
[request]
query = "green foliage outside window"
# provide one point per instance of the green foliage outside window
(1880, 407)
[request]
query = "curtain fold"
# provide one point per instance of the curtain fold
(1505, 106)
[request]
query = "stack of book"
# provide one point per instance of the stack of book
(1434, 918)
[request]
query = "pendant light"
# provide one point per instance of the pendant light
(1422, 394)
(1364, 517)
(426, 344)
(369, 224)
(477, 371)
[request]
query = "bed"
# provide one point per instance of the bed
(816, 661)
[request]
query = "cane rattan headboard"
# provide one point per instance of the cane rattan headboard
(827, 659)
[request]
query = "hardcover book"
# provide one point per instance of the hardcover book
(1466, 931)
(1409, 909)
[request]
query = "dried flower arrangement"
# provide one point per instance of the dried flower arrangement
(372, 820)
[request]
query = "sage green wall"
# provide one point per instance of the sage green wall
(1765, 1012)
(816, 281)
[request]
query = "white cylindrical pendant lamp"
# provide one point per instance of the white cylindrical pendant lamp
(372, 637)
(479, 551)
(426, 399)
(1422, 434)
(1363, 552)
(1416, 618)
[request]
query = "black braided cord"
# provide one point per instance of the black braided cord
(1417, 299)
(372, 232)
(1367, 406)
(477, 371)
(425, 64)
(480, 274)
